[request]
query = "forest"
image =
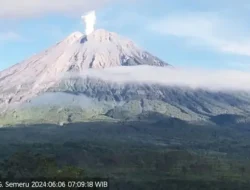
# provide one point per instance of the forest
(169, 154)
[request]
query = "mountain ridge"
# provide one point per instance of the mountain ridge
(74, 71)
(77, 52)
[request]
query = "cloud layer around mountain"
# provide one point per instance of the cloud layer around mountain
(184, 77)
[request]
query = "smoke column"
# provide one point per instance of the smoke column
(89, 19)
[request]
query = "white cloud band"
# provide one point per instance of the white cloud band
(204, 29)
(30, 8)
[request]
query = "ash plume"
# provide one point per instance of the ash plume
(89, 19)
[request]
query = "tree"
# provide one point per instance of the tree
(27, 165)
(184, 170)
(70, 171)
(242, 170)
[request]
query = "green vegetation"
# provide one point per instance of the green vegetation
(28, 165)
(99, 111)
(168, 154)
(52, 115)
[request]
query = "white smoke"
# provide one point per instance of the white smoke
(89, 19)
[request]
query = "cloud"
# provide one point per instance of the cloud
(222, 80)
(10, 36)
(206, 29)
(30, 8)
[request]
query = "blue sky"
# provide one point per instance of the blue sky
(207, 34)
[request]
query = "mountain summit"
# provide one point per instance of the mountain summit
(102, 49)
(77, 52)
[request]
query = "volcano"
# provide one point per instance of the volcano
(76, 53)
(55, 86)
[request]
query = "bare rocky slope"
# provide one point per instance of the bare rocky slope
(56, 86)
(76, 53)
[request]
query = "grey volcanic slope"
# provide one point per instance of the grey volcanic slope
(182, 102)
(53, 87)
(84, 99)
(76, 53)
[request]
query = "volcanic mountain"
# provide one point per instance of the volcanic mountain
(76, 53)
(69, 82)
